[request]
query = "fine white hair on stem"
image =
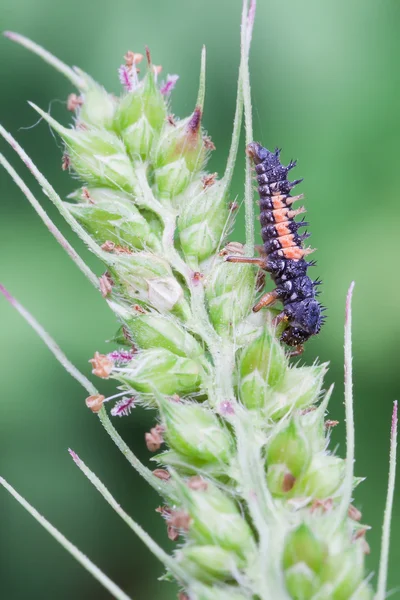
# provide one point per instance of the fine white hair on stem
(385, 543)
(53, 196)
(247, 28)
(158, 552)
(202, 80)
(347, 488)
(55, 62)
(50, 343)
(49, 223)
(105, 581)
(246, 34)
(54, 348)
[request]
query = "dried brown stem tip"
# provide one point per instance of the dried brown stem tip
(95, 402)
(102, 365)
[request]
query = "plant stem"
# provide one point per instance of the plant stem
(49, 223)
(54, 197)
(248, 192)
(49, 58)
(385, 544)
(348, 401)
(160, 486)
(158, 552)
(71, 548)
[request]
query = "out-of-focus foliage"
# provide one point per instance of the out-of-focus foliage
(325, 84)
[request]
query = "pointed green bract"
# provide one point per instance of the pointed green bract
(322, 478)
(262, 367)
(98, 106)
(215, 519)
(209, 563)
(163, 371)
(139, 118)
(202, 221)
(229, 293)
(118, 221)
(195, 432)
(154, 331)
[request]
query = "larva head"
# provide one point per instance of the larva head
(258, 154)
(305, 320)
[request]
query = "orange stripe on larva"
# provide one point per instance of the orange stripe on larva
(294, 253)
(281, 215)
(282, 228)
(286, 241)
(278, 202)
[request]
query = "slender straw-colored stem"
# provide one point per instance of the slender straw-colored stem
(247, 25)
(349, 410)
(55, 62)
(160, 486)
(50, 343)
(158, 552)
(109, 585)
(247, 30)
(54, 197)
(385, 544)
(202, 82)
(49, 223)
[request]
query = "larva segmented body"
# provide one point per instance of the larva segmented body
(283, 249)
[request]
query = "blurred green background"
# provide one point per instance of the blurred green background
(325, 83)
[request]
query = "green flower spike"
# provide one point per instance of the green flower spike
(141, 113)
(261, 508)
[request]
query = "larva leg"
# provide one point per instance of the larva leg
(267, 300)
(297, 351)
(279, 318)
(259, 262)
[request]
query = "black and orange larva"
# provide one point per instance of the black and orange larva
(283, 253)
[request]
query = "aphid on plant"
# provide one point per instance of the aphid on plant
(283, 253)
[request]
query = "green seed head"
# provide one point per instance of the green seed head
(147, 277)
(343, 572)
(98, 157)
(215, 592)
(180, 154)
(262, 367)
(156, 331)
(160, 370)
(322, 478)
(98, 106)
(140, 117)
(209, 563)
(217, 520)
(230, 293)
(288, 456)
(301, 581)
(299, 388)
(303, 547)
(202, 220)
(110, 215)
(195, 432)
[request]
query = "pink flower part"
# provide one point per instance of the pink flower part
(394, 420)
(128, 77)
(167, 86)
(74, 456)
(123, 407)
(226, 408)
(121, 356)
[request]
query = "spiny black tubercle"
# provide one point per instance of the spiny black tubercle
(284, 247)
